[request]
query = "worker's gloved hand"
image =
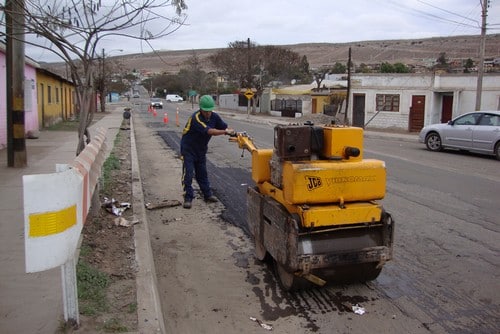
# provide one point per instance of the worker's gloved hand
(230, 132)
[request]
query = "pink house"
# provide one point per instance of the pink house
(30, 97)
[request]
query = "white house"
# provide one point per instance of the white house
(410, 101)
(402, 102)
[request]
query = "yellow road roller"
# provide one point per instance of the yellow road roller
(314, 208)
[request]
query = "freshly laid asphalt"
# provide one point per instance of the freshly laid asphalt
(33, 303)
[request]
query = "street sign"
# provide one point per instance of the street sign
(248, 94)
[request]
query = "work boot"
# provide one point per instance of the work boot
(211, 199)
(187, 204)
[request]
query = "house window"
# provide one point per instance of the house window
(49, 94)
(387, 102)
(57, 94)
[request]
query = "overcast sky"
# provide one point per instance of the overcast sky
(215, 23)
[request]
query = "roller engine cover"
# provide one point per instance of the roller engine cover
(297, 142)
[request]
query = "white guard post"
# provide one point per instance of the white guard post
(55, 208)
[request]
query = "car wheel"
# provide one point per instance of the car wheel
(497, 150)
(433, 142)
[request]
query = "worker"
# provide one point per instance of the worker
(199, 129)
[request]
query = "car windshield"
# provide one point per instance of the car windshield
(155, 99)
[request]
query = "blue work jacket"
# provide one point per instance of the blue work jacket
(195, 137)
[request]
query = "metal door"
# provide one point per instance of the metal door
(417, 112)
(358, 110)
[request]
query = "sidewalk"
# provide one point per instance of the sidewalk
(33, 303)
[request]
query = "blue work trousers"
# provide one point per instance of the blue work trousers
(195, 165)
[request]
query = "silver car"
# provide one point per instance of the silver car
(475, 132)
(156, 103)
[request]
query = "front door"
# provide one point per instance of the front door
(358, 110)
(417, 112)
(41, 101)
(447, 108)
(314, 105)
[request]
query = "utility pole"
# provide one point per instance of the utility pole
(480, 68)
(248, 74)
(348, 87)
(103, 84)
(248, 65)
(16, 140)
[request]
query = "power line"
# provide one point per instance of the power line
(428, 15)
(447, 11)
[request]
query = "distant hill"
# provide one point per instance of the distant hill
(407, 51)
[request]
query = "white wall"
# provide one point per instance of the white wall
(228, 101)
(463, 88)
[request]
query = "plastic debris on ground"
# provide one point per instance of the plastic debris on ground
(120, 221)
(358, 309)
(115, 207)
(263, 325)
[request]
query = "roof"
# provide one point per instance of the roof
(52, 74)
(307, 89)
(27, 60)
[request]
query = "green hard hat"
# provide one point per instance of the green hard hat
(207, 103)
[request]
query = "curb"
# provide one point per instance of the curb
(149, 313)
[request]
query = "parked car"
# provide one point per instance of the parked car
(156, 103)
(475, 132)
(174, 98)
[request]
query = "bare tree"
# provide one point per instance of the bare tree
(319, 75)
(252, 65)
(75, 30)
(236, 62)
(109, 79)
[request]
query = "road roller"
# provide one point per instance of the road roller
(315, 207)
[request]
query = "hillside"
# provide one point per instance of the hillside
(414, 51)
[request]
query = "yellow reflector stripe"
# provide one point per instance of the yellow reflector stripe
(48, 223)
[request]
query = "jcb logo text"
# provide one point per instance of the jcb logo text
(313, 182)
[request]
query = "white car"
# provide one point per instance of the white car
(174, 98)
(475, 132)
